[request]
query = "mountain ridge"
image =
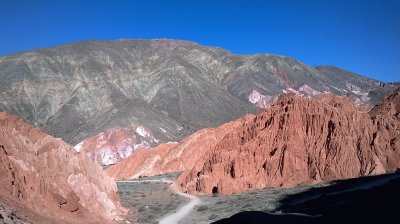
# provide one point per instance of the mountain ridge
(170, 87)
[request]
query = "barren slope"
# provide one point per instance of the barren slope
(46, 181)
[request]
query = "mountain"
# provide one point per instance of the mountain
(298, 140)
(170, 87)
(44, 180)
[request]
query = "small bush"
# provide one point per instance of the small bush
(141, 209)
(212, 217)
(202, 208)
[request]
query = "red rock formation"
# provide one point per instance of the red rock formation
(390, 106)
(170, 157)
(297, 141)
(112, 145)
(46, 180)
(144, 163)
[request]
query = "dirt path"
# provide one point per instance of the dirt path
(183, 211)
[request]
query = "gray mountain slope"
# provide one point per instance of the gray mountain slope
(172, 87)
(337, 76)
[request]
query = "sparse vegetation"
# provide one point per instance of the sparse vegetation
(202, 208)
(149, 201)
(162, 201)
(212, 217)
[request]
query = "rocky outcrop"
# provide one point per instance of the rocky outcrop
(143, 163)
(301, 141)
(298, 140)
(389, 107)
(170, 157)
(46, 181)
(78, 90)
(260, 100)
(112, 145)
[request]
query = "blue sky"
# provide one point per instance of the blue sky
(360, 36)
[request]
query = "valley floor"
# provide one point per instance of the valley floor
(155, 200)
(152, 199)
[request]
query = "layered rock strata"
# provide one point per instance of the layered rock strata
(44, 179)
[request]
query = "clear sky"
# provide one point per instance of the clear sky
(362, 36)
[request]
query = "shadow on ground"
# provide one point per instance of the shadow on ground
(363, 200)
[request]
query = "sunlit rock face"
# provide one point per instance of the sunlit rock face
(260, 100)
(112, 145)
(46, 181)
(298, 140)
(301, 140)
(170, 157)
(265, 101)
(170, 87)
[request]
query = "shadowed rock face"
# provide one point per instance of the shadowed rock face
(297, 141)
(45, 180)
(171, 87)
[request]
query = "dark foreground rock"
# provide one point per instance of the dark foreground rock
(362, 200)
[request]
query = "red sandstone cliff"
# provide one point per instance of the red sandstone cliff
(298, 140)
(46, 181)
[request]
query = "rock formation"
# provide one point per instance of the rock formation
(115, 144)
(171, 87)
(46, 181)
(298, 140)
(169, 157)
(301, 141)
